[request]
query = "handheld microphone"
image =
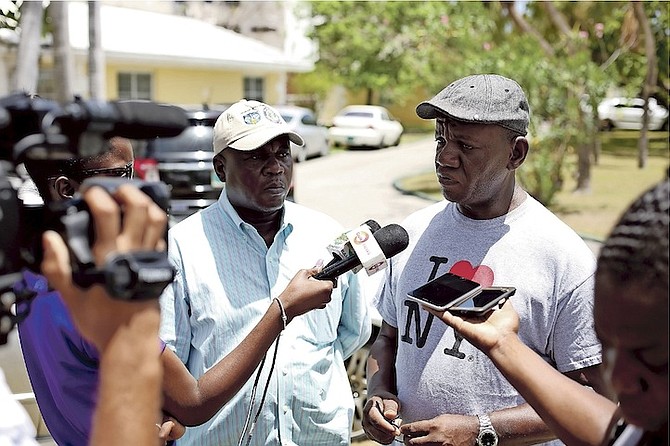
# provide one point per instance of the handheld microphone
(341, 246)
(392, 239)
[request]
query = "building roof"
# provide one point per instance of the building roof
(134, 35)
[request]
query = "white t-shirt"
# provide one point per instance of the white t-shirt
(530, 249)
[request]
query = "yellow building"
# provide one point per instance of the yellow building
(171, 59)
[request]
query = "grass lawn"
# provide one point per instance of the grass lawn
(615, 182)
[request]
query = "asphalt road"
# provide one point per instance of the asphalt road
(353, 186)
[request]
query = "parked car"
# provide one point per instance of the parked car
(303, 121)
(626, 113)
(365, 125)
(184, 163)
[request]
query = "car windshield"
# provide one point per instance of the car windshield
(199, 137)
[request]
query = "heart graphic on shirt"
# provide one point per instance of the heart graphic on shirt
(481, 274)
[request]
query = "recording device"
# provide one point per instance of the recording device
(444, 291)
(41, 130)
(483, 301)
(391, 240)
(341, 246)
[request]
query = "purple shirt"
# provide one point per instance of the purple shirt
(62, 366)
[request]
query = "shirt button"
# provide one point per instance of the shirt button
(284, 372)
(286, 409)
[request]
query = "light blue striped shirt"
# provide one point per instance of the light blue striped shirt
(225, 281)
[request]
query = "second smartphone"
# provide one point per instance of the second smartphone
(482, 302)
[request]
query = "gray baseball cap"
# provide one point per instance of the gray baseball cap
(483, 99)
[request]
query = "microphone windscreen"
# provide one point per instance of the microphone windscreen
(392, 239)
(146, 119)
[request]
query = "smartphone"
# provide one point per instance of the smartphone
(486, 299)
(444, 291)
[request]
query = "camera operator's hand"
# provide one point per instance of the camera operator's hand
(142, 227)
(125, 332)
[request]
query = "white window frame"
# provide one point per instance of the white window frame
(254, 88)
(134, 92)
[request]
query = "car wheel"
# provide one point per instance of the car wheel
(359, 385)
(608, 125)
(325, 148)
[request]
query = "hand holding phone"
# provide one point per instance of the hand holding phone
(444, 291)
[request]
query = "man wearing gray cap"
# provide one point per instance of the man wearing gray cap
(233, 260)
(424, 380)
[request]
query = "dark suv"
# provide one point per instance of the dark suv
(185, 164)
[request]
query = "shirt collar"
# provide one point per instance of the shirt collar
(287, 215)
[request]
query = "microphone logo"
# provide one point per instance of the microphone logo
(361, 237)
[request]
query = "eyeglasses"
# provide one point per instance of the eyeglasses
(121, 172)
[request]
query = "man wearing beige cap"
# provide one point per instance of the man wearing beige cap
(442, 389)
(233, 259)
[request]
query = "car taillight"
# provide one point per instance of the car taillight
(146, 169)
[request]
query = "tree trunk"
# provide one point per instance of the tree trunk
(96, 56)
(63, 63)
(649, 82)
(27, 70)
(370, 94)
(584, 168)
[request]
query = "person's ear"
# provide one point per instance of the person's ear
(219, 163)
(64, 187)
(518, 152)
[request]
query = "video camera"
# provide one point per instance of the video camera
(38, 130)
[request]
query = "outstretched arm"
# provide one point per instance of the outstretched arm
(192, 401)
(576, 414)
(125, 333)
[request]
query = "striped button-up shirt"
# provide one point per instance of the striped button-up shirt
(226, 279)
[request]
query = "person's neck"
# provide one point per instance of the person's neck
(510, 200)
(266, 223)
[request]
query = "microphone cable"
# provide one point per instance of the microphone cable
(251, 403)
(262, 401)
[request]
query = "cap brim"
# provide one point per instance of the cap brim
(257, 139)
(426, 110)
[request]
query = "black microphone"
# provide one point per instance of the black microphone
(392, 239)
(134, 119)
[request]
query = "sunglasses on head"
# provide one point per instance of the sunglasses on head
(120, 172)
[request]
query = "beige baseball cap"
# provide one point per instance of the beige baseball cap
(247, 125)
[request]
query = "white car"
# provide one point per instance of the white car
(303, 121)
(365, 125)
(626, 113)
